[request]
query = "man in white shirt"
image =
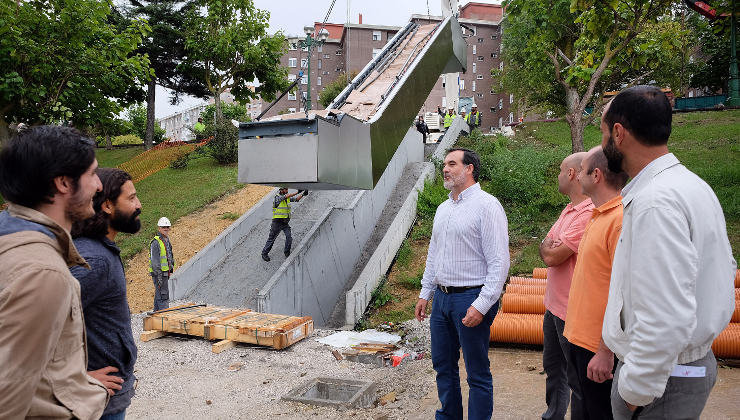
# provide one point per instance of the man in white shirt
(467, 264)
(671, 288)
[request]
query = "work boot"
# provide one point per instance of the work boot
(266, 257)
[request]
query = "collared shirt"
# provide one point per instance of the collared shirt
(671, 290)
(107, 315)
(589, 288)
(568, 229)
(469, 247)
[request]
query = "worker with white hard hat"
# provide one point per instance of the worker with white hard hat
(161, 264)
(473, 118)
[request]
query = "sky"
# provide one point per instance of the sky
(290, 16)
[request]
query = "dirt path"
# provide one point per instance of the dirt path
(189, 235)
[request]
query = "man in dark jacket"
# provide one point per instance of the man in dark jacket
(112, 352)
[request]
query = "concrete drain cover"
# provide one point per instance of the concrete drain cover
(334, 392)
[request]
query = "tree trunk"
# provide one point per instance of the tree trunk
(108, 143)
(150, 97)
(575, 119)
(217, 103)
(4, 132)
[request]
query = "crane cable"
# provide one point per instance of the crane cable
(310, 52)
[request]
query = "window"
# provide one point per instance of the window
(338, 69)
(292, 62)
(291, 96)
(300, 109)
(291, 77)
(318, 81)
(325, 73)
(376, 51)
(293, 46)
(493, 110)
(492, 92)
(500, 104)
(473, 30)
(326, 55)
(480, 40)
(320, 48)
(304, 95)
(511, 117)
(474, 49)
(494, 36)
(462, 84)
(480, 95)
(479, 77)
(338, 52)
(377, 35)
(472, 87)
(291, 109)
(501, 65)
(511, 98)
(304, 63)
(480, 58)
(319, 64)
(494, 55)
(473, 68)
(500, 122)
(304, 79)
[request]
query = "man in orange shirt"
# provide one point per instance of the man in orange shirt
(590, 362)
(558, 250)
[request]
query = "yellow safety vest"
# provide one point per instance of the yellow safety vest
(282, 211)
(164, 264)
(476, 121)
(448, 120)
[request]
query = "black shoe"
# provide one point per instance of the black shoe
(266, 257)
(287, 254)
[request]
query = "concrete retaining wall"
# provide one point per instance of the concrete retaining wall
(310, 280)
(187, 276)
(359, 296)
(457, 127)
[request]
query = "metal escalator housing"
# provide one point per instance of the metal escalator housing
(339, 151)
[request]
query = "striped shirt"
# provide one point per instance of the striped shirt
(469, 247)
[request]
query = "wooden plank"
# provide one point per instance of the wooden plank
(222, 345)
(151, 335)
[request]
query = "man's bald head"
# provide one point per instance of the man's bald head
(574, 160)
(569, 168)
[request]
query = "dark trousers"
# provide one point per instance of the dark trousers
(594, 398)
(683, 398)
(276, 227)
(161, 291)
(448, 335)
(555, 364)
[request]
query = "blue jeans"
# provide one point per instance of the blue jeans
(448, 335)
(121, 415)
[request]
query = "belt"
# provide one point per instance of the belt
(456, 289)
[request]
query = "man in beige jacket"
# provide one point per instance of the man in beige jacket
(47, 174)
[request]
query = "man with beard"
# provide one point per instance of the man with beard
(467, 264)
(161, 263)
(112, 351)
(47, 174)
(670, 292)
(559, 251)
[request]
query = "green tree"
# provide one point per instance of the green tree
(229, 111)
(137, 118)
(710, 65)
(165, 47)
(227, 41)
(564, 55)
(334, 88)
(64, 60)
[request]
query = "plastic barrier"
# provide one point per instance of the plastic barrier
(527, 280)
(523, 304)
(527, 289)
(539, 273)
(517, 328)
(727, 343)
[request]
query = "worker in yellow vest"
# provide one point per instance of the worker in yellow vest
(161, 264)
(281, 220)
(449, 116)
(473, 118)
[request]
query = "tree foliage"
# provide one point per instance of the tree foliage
(333, 89)
(65, 60)
(137, 119)
(563, 55)
(227, 41)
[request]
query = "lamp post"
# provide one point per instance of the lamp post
(308, 43)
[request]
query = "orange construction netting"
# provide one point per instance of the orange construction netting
(157, 158)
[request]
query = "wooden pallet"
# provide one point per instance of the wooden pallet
(230, 326)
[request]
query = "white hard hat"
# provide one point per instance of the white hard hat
(474, 105)
(164, 222)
